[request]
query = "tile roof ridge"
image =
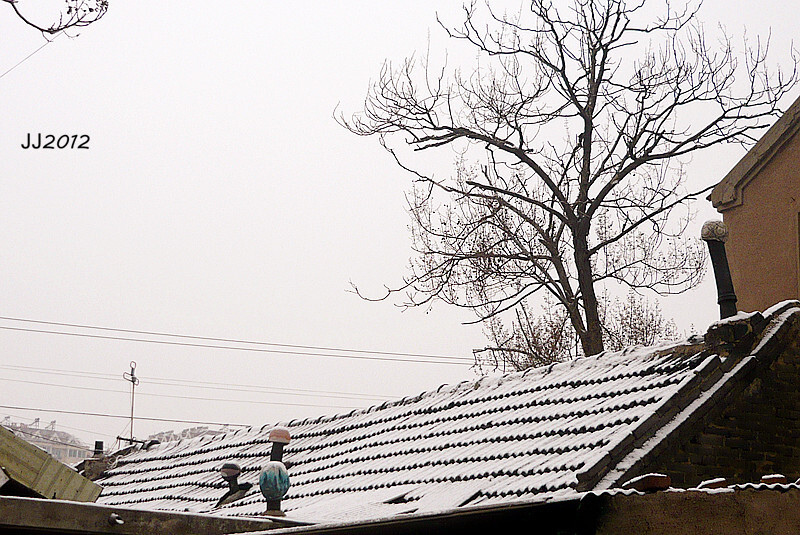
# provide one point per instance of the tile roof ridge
(717, 381)
(780, 307)
(688, 344)
(743, 333)
(661, 414)
(782, 324)
(691, 345)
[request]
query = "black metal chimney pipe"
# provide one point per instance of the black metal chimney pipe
(715, 234)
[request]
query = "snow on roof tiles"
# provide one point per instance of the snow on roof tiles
(501, 438)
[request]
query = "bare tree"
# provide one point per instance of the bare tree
(56, 15)
(571, 134)
(532, 340)
(635, 321)
(537, 340)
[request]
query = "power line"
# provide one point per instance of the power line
(263, 389)
(60, 425)
(72, 428)
(232, 340)
(173, 396)
(462, 362)
(127, 417)
(84, 374)
(198, 384)
(26, 58)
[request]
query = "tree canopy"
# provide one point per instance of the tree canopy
(571, 134)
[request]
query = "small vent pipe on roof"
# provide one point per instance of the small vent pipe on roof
(274, 478)
(715, 234)
(279, 436)
(230, 472)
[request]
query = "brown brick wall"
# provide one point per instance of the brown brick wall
(757, 432)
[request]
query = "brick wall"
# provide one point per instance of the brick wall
(757, 432)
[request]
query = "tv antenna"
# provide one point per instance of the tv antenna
(131, 377)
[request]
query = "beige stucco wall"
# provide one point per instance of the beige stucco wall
(744, 512)
(763, 244)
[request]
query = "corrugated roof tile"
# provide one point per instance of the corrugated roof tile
(510, 436)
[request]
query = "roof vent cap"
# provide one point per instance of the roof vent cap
(230, 471)
(280, 435)
(274, 480)
(714, 230)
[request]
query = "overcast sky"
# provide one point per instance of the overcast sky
(219, 198)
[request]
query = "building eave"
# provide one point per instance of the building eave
(728, 193)
(746, 509)
(36, 515)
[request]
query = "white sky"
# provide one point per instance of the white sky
(219, 198)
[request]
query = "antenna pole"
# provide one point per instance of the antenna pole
(131, 377)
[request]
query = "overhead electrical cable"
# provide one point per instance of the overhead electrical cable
(461, 360)
(119, 416)
(60, 425)
(173, 396)
(71, 428)
(198, 384)
(263, 389)
(84, 374)
(250, 342)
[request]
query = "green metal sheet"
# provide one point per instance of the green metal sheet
(38, 471)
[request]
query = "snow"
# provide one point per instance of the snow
(495, 440)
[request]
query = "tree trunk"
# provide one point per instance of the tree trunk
(592, 336)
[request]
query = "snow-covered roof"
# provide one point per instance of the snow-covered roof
(546, 431)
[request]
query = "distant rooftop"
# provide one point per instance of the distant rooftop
(62, 445)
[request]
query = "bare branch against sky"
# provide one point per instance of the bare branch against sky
(573, 129)
(53, 16)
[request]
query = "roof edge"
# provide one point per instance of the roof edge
(632, 464)
(688, 391)
(727, 193)
(780, 321)
(60, 516)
